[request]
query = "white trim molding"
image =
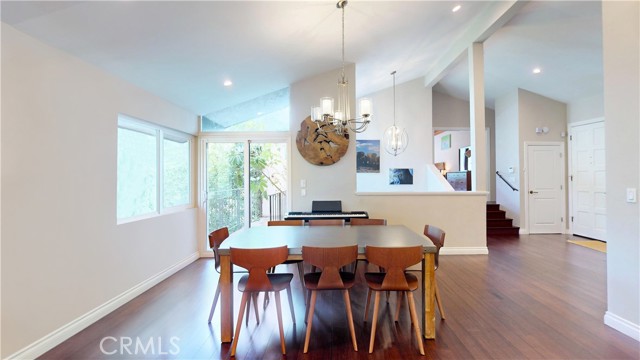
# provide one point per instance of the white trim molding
(478, 250)
(63, 333)
(624, 326)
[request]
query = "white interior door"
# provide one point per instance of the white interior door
(588, 190)
(545, 189)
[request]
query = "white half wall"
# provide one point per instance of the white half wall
(63, 256)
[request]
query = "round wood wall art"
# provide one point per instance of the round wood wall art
(320, 147)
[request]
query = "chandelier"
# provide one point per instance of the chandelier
(395, 138)
(324, 115)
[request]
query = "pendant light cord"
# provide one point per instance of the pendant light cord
(394, 97)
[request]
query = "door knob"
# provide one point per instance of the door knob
(532, 192)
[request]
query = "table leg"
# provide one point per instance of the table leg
(226, 299)
(429, 299)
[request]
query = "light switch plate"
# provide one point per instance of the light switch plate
(303, 183)
(631, 195)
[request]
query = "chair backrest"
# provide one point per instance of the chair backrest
(326, 222)
(330, 260)
(394, 260)
(258, 261)
(285, 223)
(358, 222)
(436, 235)
(216, 237)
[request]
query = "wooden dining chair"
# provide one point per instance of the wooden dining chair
(285, 223)
(366, 222)
(436, 235)
(329, 261)
(394, 261)
(216, 238)
(360, 221)
(299, 263)
(326, 222)
(258, 261)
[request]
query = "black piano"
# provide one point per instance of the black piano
(326, 210)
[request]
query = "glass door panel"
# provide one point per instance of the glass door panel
(225, 176)
(268, 181)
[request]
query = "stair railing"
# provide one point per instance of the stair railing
(505, 181)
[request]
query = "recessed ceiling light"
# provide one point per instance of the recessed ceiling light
(227, 83)
(537, 70)
(456, 8)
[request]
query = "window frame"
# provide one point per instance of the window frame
(160, 133)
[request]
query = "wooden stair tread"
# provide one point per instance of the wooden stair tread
(497, 221)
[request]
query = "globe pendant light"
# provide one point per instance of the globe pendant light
(395, 138)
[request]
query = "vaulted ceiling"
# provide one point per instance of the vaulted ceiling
(183, 51)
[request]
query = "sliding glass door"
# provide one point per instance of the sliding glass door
(245, 182)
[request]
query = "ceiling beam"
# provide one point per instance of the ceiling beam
(488, 22)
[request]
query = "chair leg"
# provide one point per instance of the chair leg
(366, 307)
(301, 275)
(399, 298)
(347, 302)
(310, 309)
(215, 301)
(255, 308)
(414, 319)
(265, 301)
(246, 321)
(293, 314)
(438, 301)
(376, 304)
(306, 313)
(279, 309)
(243, 304)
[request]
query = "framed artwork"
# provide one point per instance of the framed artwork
(400, 176)
(445, 142)
(368, 156)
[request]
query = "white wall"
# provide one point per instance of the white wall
(62, 253)
(450, 156)
(413, 107)
(621, 49)
(588, 108)
(463, 216)
(518, 114)
(453, 113)
(536, 111)
(507, 150)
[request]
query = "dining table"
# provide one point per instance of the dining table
(295, 237)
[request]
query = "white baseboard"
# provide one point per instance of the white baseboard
(523, 231)
(624, 326)
(479, 250)
(63, 333)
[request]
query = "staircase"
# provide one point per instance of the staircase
(498, 223)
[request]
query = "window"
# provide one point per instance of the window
(154, 170)
(176, 153)
(269, 112)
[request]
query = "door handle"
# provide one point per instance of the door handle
(532, 192)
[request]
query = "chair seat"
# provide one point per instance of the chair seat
(278, 281)
(374, 280)
(311, 280)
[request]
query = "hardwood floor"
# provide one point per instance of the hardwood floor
(532, 297)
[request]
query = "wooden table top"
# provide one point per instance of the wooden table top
(325, 236)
